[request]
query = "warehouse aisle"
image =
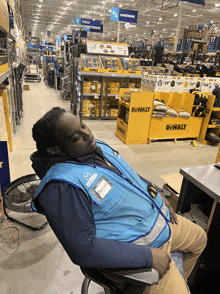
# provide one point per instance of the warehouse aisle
(39, 265)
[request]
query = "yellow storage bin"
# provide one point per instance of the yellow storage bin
(8, 114)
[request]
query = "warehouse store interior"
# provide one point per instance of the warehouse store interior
(144, 77)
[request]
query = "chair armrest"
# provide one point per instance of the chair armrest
(140, 276)
(96, 276)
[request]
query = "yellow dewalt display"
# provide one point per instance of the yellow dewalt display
(175, 126)
(134, 115)
(140, 118)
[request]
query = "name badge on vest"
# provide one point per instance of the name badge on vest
(101, 188)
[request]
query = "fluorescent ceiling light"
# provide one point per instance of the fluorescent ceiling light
(147, 22)
(217, 5)
(39, 5)
(194, 10)
(160, 18)
(175, 14)
(120, 5)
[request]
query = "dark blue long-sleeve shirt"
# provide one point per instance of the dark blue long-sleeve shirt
(70, 216)
(69, 213)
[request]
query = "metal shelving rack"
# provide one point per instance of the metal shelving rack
(103, 96)
(32, 66)
(73, 93)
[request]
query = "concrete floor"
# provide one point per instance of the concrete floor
(39, 265)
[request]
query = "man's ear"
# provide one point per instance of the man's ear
(55, 150)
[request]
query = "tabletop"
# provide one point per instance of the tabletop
(206, 177)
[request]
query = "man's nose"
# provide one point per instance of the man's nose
(86, 134)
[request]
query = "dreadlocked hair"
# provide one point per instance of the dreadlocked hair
(43, 130)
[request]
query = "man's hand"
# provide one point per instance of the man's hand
(173, 216)
(161, 261)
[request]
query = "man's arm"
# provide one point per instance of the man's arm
(69, 213)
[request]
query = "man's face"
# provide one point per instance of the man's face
(74, 136)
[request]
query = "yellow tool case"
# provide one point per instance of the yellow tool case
(91, 63)
(111, 64)
(130, 65)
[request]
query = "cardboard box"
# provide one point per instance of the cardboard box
(26, 87)
(205, 48)
(181, 33)
(4, 16)
(194, 27)
(173, 185)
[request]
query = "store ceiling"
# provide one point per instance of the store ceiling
(58, 16)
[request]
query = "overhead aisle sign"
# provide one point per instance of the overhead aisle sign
(201, 2)
(159, 43)
(87, 22)
(212, 44)
(100, 30)
(67, 37)
(124, 15)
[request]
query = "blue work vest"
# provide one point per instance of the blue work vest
(123, 209)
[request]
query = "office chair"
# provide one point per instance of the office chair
(134, 280)
(17, 198)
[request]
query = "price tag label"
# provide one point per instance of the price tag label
(117, 96)
(96, 96)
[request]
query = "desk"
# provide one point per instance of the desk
(201, 185)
